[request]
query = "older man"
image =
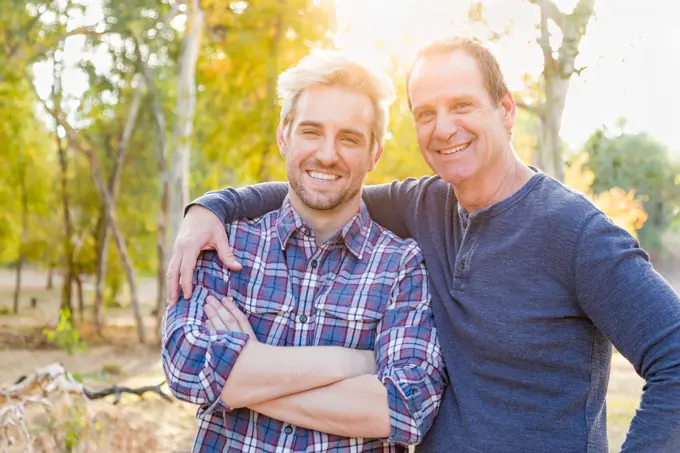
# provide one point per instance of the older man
(325, 339)
(532, 283)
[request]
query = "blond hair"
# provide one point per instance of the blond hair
(339, 69)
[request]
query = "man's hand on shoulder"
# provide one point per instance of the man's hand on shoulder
(200, 230)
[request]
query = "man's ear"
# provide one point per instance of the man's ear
(376, 157)
(509, 110)
(281, 141)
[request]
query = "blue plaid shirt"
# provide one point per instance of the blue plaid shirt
(364, 289)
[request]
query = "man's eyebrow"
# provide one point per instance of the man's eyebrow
(310, 123)
(453, 100)
(347, 130)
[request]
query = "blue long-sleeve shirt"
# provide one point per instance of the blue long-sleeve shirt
(528, 296)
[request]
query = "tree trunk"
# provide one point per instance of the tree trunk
(100, 184)
(22, 243)
(163, 177)
(68, 229)
(66, 290)
(79, 287)
(161, 283)
(270, 101)
(119, 241)
(186, 105)
(103, 236)
(50, 277)
(549, 145)
(557, 71)
(164, 193)
(104, 230)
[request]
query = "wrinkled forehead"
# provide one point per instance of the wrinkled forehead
(445, 76)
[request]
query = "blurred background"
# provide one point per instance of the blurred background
(115, 113)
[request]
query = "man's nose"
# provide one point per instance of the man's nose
(327, 154)
(445, 127)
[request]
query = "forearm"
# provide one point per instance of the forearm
(264, 372)
(355, 407)
(211, 368)
(247, 202)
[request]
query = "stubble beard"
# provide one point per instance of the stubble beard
(322, 201)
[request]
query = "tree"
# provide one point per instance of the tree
(186, 107)
(622, 206)
(637, 162)
(247, 45)
(558, 68)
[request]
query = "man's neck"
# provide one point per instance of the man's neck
(325, 223)
(504, 180)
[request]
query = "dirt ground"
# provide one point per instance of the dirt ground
(119, 360)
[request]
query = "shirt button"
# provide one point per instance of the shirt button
(314, 264)
(303, 319)
(308, 232)
(464, 225)
(462, 264)
(288, 429)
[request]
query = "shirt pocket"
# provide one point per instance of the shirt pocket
(270, 320)
(350, 326)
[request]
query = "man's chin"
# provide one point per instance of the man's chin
(322, 205)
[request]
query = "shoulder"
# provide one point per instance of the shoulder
(560, 206)
(402, 252)
(573, 224)
(248, 232)
(257, 224)
(410, 190)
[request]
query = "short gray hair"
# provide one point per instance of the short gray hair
(341, 69)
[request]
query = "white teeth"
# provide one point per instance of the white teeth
(323, 176)
(454, 150)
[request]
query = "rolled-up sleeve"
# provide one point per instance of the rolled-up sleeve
(408, 354)
(197, 361)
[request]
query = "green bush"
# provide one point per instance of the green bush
(65, 336)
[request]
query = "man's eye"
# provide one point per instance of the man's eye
(311, 132)
(426, 114)
(462, 105)
(350, 140)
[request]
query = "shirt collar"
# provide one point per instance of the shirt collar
(354, 234)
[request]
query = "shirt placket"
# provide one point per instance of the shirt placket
(310, 282)
(463, 258)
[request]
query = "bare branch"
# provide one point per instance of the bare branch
(155, 104)
(544, 42)
(131, 119)
(551, 11)
(118, 391)
(87, 31)
(572, 32)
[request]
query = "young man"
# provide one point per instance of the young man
(531, 283)
(325, 339)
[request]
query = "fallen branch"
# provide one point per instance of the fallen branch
(118, 392)
(52, 389)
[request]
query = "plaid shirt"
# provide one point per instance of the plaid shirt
(363, 289)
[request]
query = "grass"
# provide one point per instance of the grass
(620, 412)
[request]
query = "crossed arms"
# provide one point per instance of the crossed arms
(391, 393)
